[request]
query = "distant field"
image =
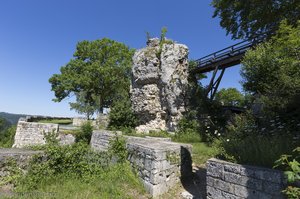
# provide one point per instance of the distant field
(56, 121)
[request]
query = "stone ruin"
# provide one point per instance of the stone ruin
(159, 83)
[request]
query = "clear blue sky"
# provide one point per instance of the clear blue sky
(38, 37)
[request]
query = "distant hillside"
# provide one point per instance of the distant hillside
(12, 118)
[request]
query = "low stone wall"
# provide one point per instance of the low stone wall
(229, 180)
(32, 133)
(21, 158)
(160, 163)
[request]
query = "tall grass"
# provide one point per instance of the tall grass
(256, 150)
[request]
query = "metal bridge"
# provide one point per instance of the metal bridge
(223, 59)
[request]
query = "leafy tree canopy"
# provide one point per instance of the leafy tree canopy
(273, 70)
(230, 97)
(248, 18)
(100, 70)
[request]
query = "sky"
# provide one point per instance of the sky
(38, 37)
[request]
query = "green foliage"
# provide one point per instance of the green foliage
(81, 107)
(121, 114)
(116, 181)
(73, 160)
(51, 138)
(188, 129)
(85, 133)
(75, 171)
(254, 150)
(272, 70)
(4, 124)
(230, 97)
(13, 172)
(202, 152)
(249, 140)
(100, 71)
(117, 148)
(291, 165)
(7, 137)
(248, 18)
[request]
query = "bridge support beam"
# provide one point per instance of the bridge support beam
(214, 84)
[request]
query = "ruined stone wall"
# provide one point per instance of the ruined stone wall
(159, 162)
(21, 157)
(32, 133)
(229, 180)
(159, 83)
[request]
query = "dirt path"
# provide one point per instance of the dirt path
(193, 187)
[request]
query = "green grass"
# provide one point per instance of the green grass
(117, 181)
(56, 121)
(202, 152)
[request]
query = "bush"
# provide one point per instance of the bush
(188, 129)
(75, 171)
(291, 165)
(121, 115)
(85, 133)
(117, 148)
(76, 160)
(7, 137)
(254, 141)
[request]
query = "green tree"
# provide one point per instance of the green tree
(273, 70)
(100, 69)
(230, 97)
(121, 114)
(248, 18)
(82, 107)
(4, 124)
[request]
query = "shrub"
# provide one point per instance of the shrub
(85, 132)
(121, 115)
(117, 148)
(251, 140)
(188, 129)
(7, 137)
(291, 165)
(76, 160)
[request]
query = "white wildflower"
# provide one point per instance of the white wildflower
(208, 127)
(219, 134)
(227, 140)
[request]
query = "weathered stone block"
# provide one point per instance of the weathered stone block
(159, 163)
(242, 181)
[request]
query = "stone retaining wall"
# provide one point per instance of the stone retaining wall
(21, 158)
(160, 163)
(229, 180)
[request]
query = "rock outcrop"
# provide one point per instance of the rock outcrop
(159, 83)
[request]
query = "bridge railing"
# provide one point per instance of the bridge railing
(228, 52)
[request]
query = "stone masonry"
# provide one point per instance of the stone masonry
(21, 157)
(159, 162)
(159, 82)
(33, 133)
(229, 180)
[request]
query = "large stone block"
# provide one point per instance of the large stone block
(229, 180)
(160, 163)
(32, 133)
